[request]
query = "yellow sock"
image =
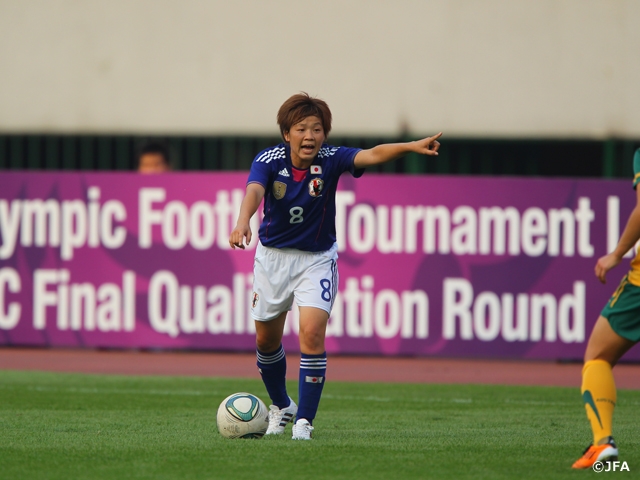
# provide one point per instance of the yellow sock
(599, 397)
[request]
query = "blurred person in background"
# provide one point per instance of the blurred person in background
(154, 157)
(297, 253)
(615, 332)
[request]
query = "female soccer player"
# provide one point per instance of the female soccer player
(297, 253)
(615, 332)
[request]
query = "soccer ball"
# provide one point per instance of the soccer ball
(242, 415)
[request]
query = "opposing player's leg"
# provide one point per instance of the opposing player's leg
(604, 349)
(313, 368)
(272, 365)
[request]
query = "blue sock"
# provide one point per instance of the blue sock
(313, 369)
(273, 368)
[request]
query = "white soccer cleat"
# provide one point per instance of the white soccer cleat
(278, 418)
(302, 430)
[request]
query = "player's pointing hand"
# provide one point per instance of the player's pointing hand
(429, 145)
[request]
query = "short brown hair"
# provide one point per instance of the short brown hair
(300, 106)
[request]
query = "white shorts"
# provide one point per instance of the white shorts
(282, 274)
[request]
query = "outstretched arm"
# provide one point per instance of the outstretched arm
(250, 203)
(628, 239)
(391, 151)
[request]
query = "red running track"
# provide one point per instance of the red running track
(340, 368)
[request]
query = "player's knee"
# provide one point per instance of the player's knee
(267, 344)
(312, 341)
(604, 352)
(608, 355)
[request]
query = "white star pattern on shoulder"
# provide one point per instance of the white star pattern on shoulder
(272, 154)
(327, 152)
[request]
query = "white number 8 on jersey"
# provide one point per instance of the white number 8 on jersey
(296, 215)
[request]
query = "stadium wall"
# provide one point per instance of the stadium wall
(496, 68)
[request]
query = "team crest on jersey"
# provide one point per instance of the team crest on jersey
(279, 189)
(254, 300)
(315, 187)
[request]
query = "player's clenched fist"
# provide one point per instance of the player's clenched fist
(236, 239)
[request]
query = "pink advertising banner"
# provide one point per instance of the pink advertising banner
(429, 265)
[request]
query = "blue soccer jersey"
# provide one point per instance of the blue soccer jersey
(300, 205)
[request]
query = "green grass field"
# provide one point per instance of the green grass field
(72, 426)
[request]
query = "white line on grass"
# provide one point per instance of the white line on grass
(116, 391)
(387, 399)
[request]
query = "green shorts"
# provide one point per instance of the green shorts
(623, 310)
